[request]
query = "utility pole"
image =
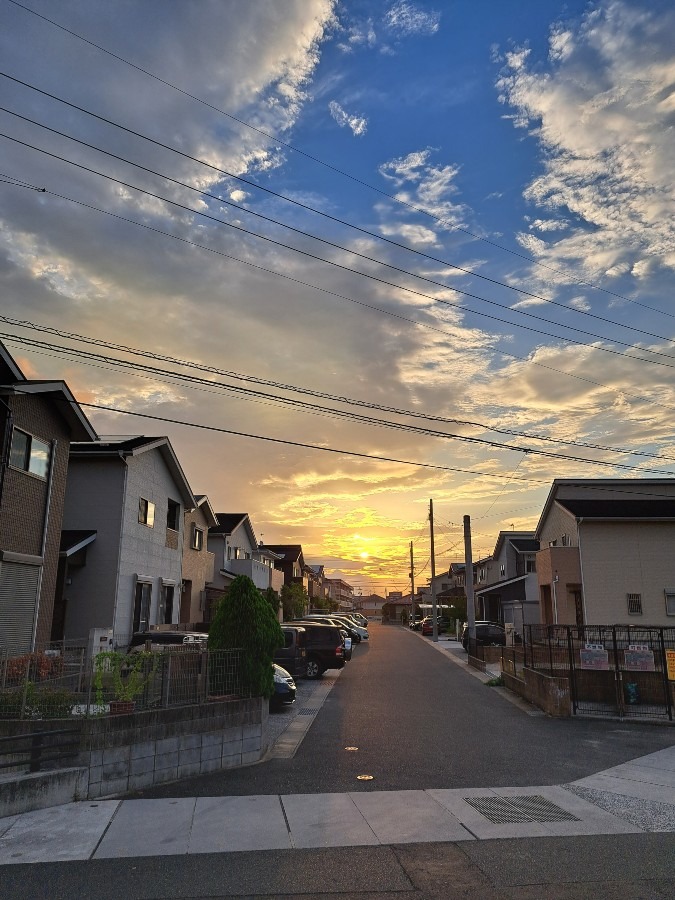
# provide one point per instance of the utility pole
(412, 585)
(434, 611)
(468, 579)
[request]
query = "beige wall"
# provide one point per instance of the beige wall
(622, 558)
(197, 564)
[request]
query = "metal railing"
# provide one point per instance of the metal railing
(66, 683)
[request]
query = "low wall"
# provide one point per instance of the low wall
(550, 694)
(130, 752)
(488, 656)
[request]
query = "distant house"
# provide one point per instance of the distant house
(291, 562)
(606, 552)
(237, 552)
(341, 593)
(512, 592)
(316, 584)
(370, 606)
(132, 492)
(38, 420)
(198, 561)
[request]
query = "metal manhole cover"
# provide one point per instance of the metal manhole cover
(513, 810)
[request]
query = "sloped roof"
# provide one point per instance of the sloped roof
(653, 508)
(73, 540)
(227, 522)
(288, 552)
(525, 545)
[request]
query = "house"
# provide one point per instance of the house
(606, 552)
(340, 593)
(237, 552)
(38, 420)
(291, 562)
(316, 585)
(512, 592)
(370, 605)
(130, 493)
(198, 561)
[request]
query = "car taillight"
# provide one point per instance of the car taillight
(339, 650)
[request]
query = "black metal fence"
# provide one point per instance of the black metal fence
(613, 669)
(68, 683)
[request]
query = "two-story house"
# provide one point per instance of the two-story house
(38, 420)
(606, 552)
(291, 562)
(511, 594)
(132, 492)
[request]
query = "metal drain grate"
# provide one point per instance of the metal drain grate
(510, 810)
(307, 712)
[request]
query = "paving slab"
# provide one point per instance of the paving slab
(6, 823)
(636, 771)
(148, 828)
(57, 834)
(223, 824)
(403, 817)
(628, 788)
(326, 820)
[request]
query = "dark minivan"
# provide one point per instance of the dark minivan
(293, 655)
(325, 648)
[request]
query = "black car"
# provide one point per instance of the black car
(487, 634)
(293, 655)
(325, 648)
(284, 688)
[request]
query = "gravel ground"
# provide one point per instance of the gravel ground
(646, 814)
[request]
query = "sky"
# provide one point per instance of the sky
(350, 256)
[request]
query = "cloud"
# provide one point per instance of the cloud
(357, 124)
(603, 114)
(407, 19)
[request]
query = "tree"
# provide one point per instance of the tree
(244, 619)
(272, 598)
(294, 599)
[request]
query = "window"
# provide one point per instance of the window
(146, 512)
(197, 538)
(565, 540)
(502, 570)
(168, 591)
(29, 453)
(530, 565)
(173, 516)
(634, 604)
(670, 601)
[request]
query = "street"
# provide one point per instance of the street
(423, 724)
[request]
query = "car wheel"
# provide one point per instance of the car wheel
(313, 668)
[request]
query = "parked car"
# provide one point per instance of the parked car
(427, 625)
(293, 655)
(325, 647)
(415, 623)
(359, 618)
(487, 633)
(284, 688)
(350, 630)
(160, 640)
(360, 630)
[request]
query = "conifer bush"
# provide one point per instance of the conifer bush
(245, 620)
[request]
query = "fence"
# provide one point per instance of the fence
(612, 669)
(64, 681)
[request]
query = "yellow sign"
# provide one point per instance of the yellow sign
(670, 664)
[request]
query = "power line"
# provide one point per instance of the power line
(84, 355)
(304, 206)
(330, 166)
(366, 275)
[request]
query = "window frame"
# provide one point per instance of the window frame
(172, 514)
(146, 514)
(197, 539)
(634, 603)
(668, 594)
(29, 455)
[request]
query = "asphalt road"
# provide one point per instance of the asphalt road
(420, 721)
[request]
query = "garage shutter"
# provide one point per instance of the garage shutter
(18, 598)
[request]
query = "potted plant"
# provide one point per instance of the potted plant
(126, 677)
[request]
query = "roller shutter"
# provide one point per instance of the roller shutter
(18, 600)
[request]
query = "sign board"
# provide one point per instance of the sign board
(641, 660)
(670, 664)
(594, 657)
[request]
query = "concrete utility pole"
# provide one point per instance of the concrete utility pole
(434, 611)
(412, 585)
(468, 579)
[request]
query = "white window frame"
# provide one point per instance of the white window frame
(197, 542)
(31, 455)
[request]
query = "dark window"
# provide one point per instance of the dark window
(142, 600)
(172, 515)
(167, 599)
(29, 453)
(146, 512)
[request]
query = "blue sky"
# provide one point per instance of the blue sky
(528, 143)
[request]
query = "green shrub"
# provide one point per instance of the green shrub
(245, 620)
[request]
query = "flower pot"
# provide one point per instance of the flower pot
(122, 707)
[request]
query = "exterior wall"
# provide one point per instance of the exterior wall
(622, 558)
(259, 573)
(198, 565)
(558, 522)
(24, 501)
(563, 563)
(94, 500)
(277, 581)
(144, 550)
